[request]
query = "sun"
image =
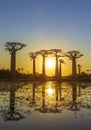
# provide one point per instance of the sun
(50, 63)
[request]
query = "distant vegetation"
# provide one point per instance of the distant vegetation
(5, 74)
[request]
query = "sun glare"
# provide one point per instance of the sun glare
(50, 91)
(50, 63)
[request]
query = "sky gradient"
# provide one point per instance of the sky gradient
(46, 24)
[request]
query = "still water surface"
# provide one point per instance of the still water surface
(45, 106)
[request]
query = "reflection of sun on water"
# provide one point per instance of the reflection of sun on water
(50, 91)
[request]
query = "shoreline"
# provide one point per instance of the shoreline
(47, 79)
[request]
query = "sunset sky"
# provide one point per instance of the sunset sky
(46, 24)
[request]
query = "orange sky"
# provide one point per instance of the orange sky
(23, 61)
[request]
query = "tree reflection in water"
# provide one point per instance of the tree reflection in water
(47, 97)
(45, 108)
(11, 114)
(79, 90)
(33, 102)
(74, 104)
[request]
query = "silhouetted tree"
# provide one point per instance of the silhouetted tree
(88, 71)
(56, 53)
(33, 55)
(13, 47)
(18, 69)
(60, 67)
(73, 55)
(44, 54)
(79, 69)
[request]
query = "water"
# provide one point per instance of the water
(45, 106)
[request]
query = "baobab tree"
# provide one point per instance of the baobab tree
(13, 47)
(73, 55)
(61, 61)
(44, 54)
(33, 55)
(57, 54)
(79, 69)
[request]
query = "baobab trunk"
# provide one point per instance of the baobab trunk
(56, 67)
(74, 68)
(60, 71)
(43, 67)
(13, 65)
(34, 67)
(79, 71)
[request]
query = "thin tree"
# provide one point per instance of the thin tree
(61, 61)
(79, 69)
(57, 54)
(73, 55)
(13, 47)
(33, 55)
